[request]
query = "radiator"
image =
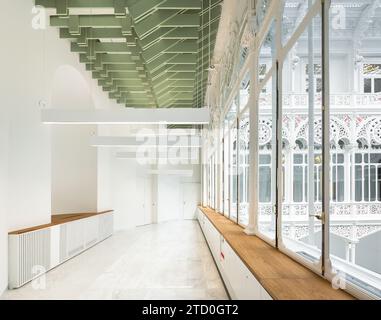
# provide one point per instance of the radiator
(33, 253)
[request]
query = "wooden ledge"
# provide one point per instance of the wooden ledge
(281, 276)
(60, 219)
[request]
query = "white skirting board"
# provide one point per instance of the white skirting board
(33, 253)
(239, 280)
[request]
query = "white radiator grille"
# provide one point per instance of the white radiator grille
(32, 255)
(32, 252)
(63, 242)
(75, 237)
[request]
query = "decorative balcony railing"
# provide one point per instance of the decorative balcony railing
(338, 209)
(337, 100)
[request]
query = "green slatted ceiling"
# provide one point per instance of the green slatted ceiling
(144, 53)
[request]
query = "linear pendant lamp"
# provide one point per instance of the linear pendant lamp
(146, 142)
(136, 156)
(127, 116)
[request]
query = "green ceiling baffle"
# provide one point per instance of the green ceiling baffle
(144, 53)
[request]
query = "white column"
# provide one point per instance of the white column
(253, 142)
(219, 172)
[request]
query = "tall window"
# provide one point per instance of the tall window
(267, 137)
(302, 128)
(317, 75)
(355, 224)
(337, 177)
(231, 161)
(372, 78)
(367, 177)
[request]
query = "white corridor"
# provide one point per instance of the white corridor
(166, 261)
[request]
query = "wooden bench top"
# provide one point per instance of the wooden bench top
(60, 219)
(281, 276)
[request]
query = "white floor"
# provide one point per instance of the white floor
(165, 261)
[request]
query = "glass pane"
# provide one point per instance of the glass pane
(355, 223)
(226, 185)
(293, 14)
(298, 184)
(261, 9)
(367, 85)
(267, 53)
(244, 135)
(244, 92)
(231, 115)
(267, 162)
(302, 149)
(358, 183)
(377, 85)
(233, 172)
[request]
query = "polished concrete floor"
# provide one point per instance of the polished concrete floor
(165, 261)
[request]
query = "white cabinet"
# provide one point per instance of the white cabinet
(265, 295)
(245, 286)
(239, 280)
(190, 200)
(35, 252)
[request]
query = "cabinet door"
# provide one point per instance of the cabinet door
(265, 295)
(191, 199)
(144, 199)
(148, 201)
(243, 283)
(140, 198)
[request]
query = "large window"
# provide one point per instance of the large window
(266, 165)
(355, 211)
(267, 113)
(367, 177)
(302, 146)
(372, 77)
(318, 147)
(230, 162)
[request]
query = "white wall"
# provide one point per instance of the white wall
(170, 197)
(103, 180)
(126, 179)
(3, 196)
(126, 192)
(74, 170)
(39, 70)
(74, 161)
(29, 64)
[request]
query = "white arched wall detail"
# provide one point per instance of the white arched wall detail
(70, 90)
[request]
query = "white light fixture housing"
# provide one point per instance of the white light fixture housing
(186, 173)
(187, 116)
(135, 155)
(146, 142)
